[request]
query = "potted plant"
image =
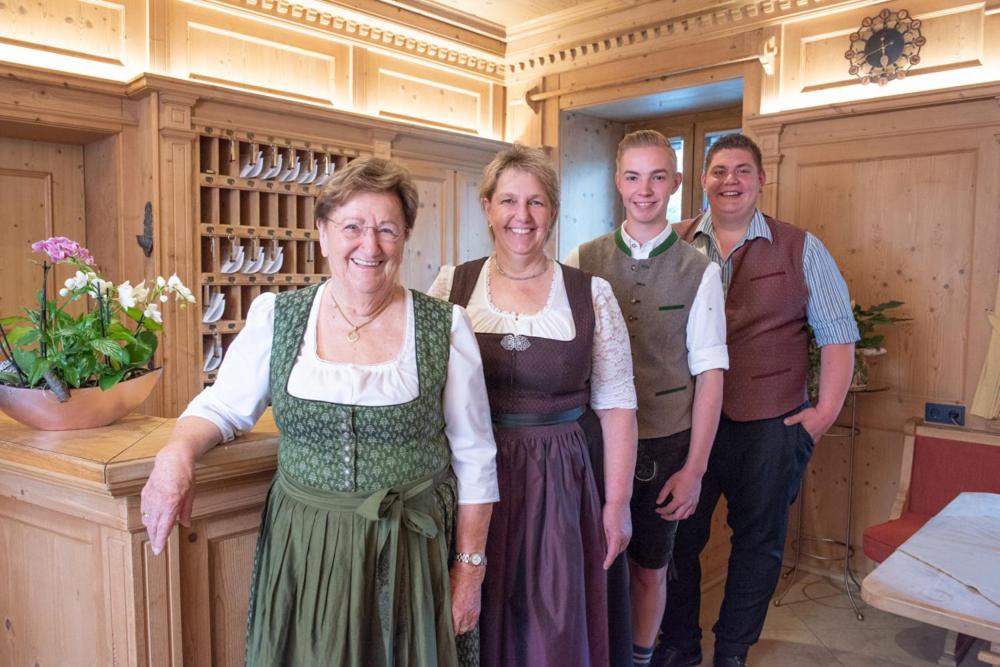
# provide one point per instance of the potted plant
(869, 345)
(60, 371)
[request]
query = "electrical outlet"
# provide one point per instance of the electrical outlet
(945, 413)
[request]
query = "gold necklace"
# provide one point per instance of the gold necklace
(496, 262)
(352, 334)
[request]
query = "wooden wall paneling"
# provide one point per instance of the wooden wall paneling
(985, 267)
(499, 106)
(179, 247)
(521, 119)
(106, 38)
(888, 214)
(119, 600)
(102, 169)
(428, 246)
(472, 237)
(905, 201)
(231, 49)
(591, 205)
(158, 591)
(813, 69)
(403, 90)
(42, 187)
(50, 568)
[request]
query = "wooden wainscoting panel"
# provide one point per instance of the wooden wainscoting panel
(812, 54)
(472, 237)
(42, 190)
(402, 90)
(217, 562)
(228, 49)
(50, 568)
(427, 248)
(591, 205)
(899, 216)
(103, 32)
(232, 547)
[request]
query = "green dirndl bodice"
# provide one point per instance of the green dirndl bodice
(353, 550)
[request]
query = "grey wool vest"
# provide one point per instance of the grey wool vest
(655, 296)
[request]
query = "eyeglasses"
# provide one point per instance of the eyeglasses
(385, 232)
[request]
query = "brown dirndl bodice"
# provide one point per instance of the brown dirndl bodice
(551, 375)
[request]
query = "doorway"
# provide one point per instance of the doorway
(692, 118)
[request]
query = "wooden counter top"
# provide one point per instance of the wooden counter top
(118, 458)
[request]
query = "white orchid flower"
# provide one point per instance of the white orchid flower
(175, 285)
(77, 282)
(126, 295)
(140, 292)
(152, 312)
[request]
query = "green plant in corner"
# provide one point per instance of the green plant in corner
(869, 344)
(49, 346)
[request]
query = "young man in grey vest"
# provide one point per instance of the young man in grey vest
(671, 296)
(778, 279)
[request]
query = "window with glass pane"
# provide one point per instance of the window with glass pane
(710, 139)
(674, 213)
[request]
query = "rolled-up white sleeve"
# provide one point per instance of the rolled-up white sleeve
(242, 387)
(706, 326)
(467, 417)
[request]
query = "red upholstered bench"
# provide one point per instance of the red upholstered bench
(938, 463)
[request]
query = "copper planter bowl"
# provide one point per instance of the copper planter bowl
(86, 408)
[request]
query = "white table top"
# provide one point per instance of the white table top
(948, 573)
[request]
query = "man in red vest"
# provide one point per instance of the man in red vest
(778, 279)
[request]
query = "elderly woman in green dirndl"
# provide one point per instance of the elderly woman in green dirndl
(378, 394)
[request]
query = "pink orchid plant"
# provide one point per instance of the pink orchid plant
(114, 339)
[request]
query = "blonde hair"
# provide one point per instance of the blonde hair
(644, 139)
(372, 174)
(533, 161)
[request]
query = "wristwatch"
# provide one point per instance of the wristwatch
(475, 558)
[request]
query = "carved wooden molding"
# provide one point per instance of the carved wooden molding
(346, 25)
(642, 36)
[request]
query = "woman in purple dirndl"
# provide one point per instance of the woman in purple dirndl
(559, 378)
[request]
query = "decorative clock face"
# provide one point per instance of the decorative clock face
(885, 47)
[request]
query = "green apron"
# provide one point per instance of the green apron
(354, 544)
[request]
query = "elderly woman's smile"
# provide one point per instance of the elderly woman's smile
(363, 241)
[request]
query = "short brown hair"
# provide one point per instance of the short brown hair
(644, 139)
(533, 161)
(735, 141)
(372, 174)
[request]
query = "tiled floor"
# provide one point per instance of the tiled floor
(816, 627)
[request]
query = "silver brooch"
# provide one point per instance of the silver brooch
(515, 343)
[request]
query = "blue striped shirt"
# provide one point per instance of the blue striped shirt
(829, 307)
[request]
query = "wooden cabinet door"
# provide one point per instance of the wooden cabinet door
(42, 190)
(217, 555)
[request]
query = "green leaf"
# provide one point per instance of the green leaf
(17, 334)
(108, 381)
(151, 325)
(110, 348)
(10, 321)
(10, 379)
(71, 374)
(26, 359)
(38, 371)
(149, 339)
(118, 331)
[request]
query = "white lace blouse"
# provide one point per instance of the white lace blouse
(242, 388)
(611, 381)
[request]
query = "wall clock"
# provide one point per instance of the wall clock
(885, 47)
